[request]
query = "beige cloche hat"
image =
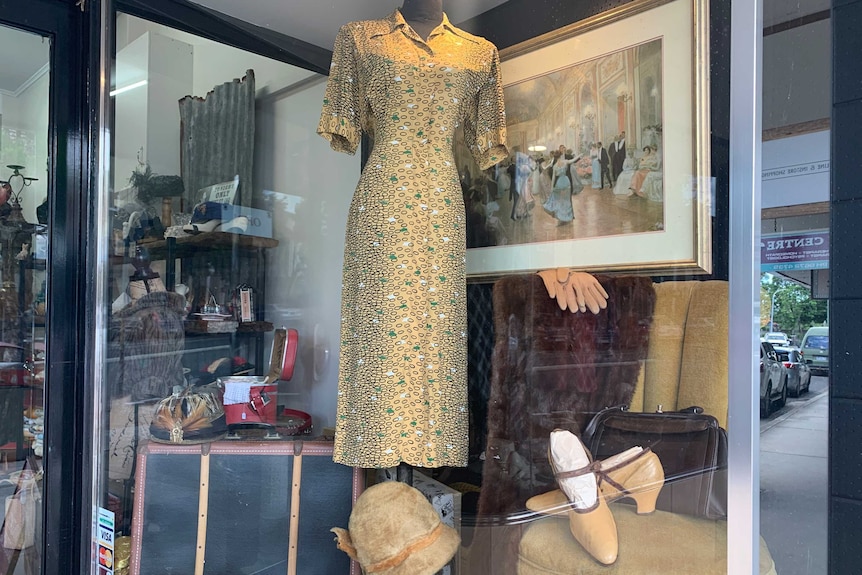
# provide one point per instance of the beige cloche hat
(394, 530)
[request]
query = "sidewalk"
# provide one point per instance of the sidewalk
(794, 486)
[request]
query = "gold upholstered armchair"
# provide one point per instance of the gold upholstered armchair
(688, 331)
(680, 360)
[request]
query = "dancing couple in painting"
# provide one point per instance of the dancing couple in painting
(565, 184)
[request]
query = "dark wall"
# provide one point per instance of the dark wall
(519, 20)
(845, 425)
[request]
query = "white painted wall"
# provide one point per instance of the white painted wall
(218, 63)
(148, 117)
(304, 282)
(306, 185)
(28, 112)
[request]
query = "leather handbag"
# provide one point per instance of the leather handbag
(690, 444)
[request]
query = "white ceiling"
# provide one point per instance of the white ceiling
(24, 58)
(317, 21)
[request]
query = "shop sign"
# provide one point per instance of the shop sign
(796, 170)
(796, 251)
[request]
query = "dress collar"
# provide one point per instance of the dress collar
(396, 21)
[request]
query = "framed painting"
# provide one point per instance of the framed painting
(608, 134)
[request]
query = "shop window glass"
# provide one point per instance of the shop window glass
(280, 338)
(24, 185)
(797, 64)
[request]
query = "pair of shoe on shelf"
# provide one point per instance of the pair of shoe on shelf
(586, 487)
(207, 217)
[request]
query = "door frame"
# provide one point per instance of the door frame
(69, 121)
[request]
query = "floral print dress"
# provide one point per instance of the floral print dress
(402, 390)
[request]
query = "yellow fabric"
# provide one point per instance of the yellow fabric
(660, 543)
(637, 403)
(703, 378)
(661, 377)
(687, 362)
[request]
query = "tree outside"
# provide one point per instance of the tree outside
(794, 310)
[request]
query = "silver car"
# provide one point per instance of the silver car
(777, 338)
(773, 380)
(798, 372)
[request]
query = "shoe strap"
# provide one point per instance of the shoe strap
(601, 474)
(622, 464)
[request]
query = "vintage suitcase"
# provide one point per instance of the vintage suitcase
(251, 399)
(255, 507)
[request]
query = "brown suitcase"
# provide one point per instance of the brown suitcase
(262, 507)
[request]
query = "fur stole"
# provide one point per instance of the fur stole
(552, 368)
(148, 337)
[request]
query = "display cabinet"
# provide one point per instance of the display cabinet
(233, 259)
(202, 269)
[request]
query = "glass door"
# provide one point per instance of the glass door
(44, 159)
(24, 190)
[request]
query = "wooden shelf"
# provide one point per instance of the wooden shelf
(31, 263)
(206, 241)
(255, 327)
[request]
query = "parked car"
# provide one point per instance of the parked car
(815, 348)
(777, 338)
(798, 372)
(773, 380)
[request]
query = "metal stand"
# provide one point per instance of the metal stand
(404, 474)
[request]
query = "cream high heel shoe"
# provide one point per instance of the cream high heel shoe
(636, 473)
(590, 519)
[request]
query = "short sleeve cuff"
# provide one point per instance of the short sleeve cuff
(490, 155)
(342, 136)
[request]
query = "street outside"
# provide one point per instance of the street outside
(794, 482)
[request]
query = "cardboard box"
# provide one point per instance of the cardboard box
(259, 221)
(447, 502)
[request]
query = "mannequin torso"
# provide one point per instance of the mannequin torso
(423, 15)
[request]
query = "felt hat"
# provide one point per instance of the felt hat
(394, 530)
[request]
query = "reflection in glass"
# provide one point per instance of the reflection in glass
(24, 91)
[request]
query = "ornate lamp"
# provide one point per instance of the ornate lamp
(15, 234)
(14, 186)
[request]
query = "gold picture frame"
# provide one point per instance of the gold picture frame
(639, 71)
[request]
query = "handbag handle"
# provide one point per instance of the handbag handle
(590, 430)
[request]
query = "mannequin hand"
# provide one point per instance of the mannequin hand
(588, 292)
(551, 285)
(576, 291)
